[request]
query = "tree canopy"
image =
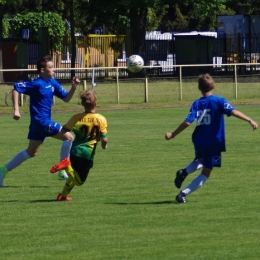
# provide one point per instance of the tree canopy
(32, 21)
(136, 16)
(133, 17)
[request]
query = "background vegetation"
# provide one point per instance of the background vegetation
(123, 16)
(32, 21)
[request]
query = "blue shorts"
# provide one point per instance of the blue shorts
(209, 159)
(41, 131)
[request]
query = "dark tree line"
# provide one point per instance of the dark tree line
(131, 16)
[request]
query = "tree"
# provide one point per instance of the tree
(146, 15)
(4, 7)
(189, 15)
(244, 7)
(65, 9)
(32, 21)
(137, 15)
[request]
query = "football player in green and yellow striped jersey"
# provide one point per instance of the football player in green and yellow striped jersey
(89, 128)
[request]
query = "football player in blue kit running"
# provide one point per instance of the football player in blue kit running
(41, 92)
(208, 137)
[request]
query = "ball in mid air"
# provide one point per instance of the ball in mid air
(135, 63)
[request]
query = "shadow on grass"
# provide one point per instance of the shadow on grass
(144, 203)
(40, 201)
(29, 201)
(7, 187)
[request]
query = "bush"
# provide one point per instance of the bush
(32, 21)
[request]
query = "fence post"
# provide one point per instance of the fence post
(235, 68)
(117, 85)
(180, 83)
(21, 99)
(84, 84)
(146, 90)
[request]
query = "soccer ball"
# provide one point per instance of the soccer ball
(135, 63)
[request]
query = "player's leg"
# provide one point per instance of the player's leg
(190, 168)
(194, 185)
(78, 173)
(73, 180)
(69, 185)
(19, 158)
(208, 160)
(67, 139)
(65, 164)
(74, 175)
(194, 166)
(53, 129)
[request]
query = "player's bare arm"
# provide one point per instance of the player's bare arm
(178, 130)
(104, 143)
(242, 116)
(17, 114)
(75, 82)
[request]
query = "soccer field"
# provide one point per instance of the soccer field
(127, 209)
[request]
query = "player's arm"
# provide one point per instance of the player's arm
(104, 142)
(242, 116)
(67, 128)
(17, 114)
(75, 83)
(64, 130)
(103, 133)
(178, 130)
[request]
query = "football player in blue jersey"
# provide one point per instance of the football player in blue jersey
(41, 92)
(208, 137)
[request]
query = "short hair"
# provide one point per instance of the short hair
(206, 83)
(42, 62)
(88, 99)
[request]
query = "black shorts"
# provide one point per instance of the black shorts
(81, 166)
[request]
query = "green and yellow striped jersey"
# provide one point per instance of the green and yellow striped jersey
(88, 128)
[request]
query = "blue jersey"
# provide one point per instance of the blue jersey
(209, 134)
(41, 94)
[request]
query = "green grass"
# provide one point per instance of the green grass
(126, 208)
(130, 94)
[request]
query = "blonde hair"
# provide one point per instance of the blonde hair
(88, 99)
(206, 83)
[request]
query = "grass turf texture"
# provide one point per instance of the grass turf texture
(161, 93)
(126, 208)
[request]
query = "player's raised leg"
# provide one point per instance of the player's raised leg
(67, 139)
(182, 173)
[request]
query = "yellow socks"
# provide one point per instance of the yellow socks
(74, 179)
